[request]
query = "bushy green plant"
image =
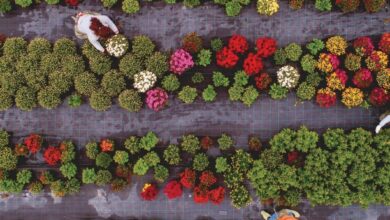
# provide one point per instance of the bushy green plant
(121, 157)
(225, 142)
(157, 64)
(5, 6)
(73, 65)
(23, 176)
(6, 101)
(191, 3)
(4, 138)
(306, 91)
(142, 47)
(161, 173)
(35, 187)
(190, 143)
(188, 94)
(240, 196)
(221, 164)
(130, 100)
(209, 94)
(60, 82)
(374, 5)
(103, 177)
(149, 141)
(352, 62)
(27, 64)
(91, 150)
(50, 62)
(220, 80)
(69, 152)
(68, 170)
(52, 2)
(235, 92)
(38, 47)
(172, 155)
(132, 144)
(100, 100)
(293, 51)
(249, 96)
(88, 175)
(315, 46)
(280, 57)
(64, 47)
(113, 83)
(197, 77)
(140, 167)
(152, 159)
(170, 1)
(74, 100)
(100, 64)
(72, 186)
(308, 63)
(216, 44)
(23, 3)
(109, 3)
(204, 57)
(233, 8)
(241, 78)
(170, 83)
(103, 160)
(241, 161)
(201, 162)
(277, 91)
(11, 186)
(36, 79)
(314, 79)
(49, 98)
(130, 65)
(14, 47)
(11, 82)
(323, 5)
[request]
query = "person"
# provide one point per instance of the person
(284, 214)
(94, 26)
(385, 119)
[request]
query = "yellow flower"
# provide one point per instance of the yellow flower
(267, 7)
(333, 82)
(336, 45)
(146, 186)
(324, 64)
(383, 78)
(352, 97)
(377, 61)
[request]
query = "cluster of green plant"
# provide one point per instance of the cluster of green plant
(306, 91)
(225, 142)
(190, 143)
(277, 91)
(188, 94)
(209, 94)
(220, 80)
(172, 155)
(201, 162)
(197, 78)
(293, 51)
(130, 6)
(204, 57)
(171, 83)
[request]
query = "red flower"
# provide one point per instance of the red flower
(52, 155)
(107, 145)
(207, 178)
(266, 46)
(149, 192)
(33, 143)
(72, 2)
(362, 78)
(384, 43)
(263, 81)
(206, 142)
(238, 44)
(217, 195)
(378, 97)
(226, 58)
(187, 178)
(326, 97)
(253, 64)
(173, 190)
(201, 195)
(363, 46)
(292, 157)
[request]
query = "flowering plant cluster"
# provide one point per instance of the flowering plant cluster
(181, 61)
(144, 80)
(156, 99)
(117, 45)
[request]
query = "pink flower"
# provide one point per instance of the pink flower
(156, 99)
(181, 61)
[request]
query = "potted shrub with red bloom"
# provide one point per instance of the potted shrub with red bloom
(187, 178)
(238, 44)
(207, 178)
(201, 194)
(379, 97)
(52, 155)
(173, 190)
(226, 58)
(149, 192)
(33, 143)
(107, 145)
(206, 142)
(266, 46)
(217, 195)
(263, 81)
(21, 150)
(253, 64)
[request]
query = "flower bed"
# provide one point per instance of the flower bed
(335, 168)
(37, 73)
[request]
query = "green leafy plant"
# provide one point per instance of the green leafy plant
(172, 155)
(149, 141)
(293, 51)
(68, 170)
(220, 80)
(240, 196)
(225, 142)
(140, 167)
(23, 176)
(216, 44)
(75, 100)
(64, 47)
(197, 77)
(190, 143)
(188, 94)
(323, 5)
(14, 48)
(221, 164)
(39, 47)
(306, 91)
(109, 3)
(235, 92)
(100, 64)
(99, 100)
(157, 64)
(315, 46)
(88, 175)
(113, 83)
(170, 83)
(23, 3)
(233, 8)
(308, 63)
(4, 138)
(103, 177)
(91, 150)
(314, 79)
(6, 101)
(130, 100)
(35, 187)
(129, 65)
(121, 157)
(201, 162)
(5, 6)
(142, 47)
(130, 6)
(161, 173)
(209, 94)
(280, 57)
(277, 91)
(204, 57)
(132, 144)
(352, 62)
(241, 78)
(103, 160)
(249, 96)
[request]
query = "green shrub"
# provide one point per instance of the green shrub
(280, 57)
(64, 47)
(130, 6)
(315, 46)
(89, 175)
(130, 100)
(170, 1)
(249, 96)
(113, 83)
(142, 47)
(72, 186)
(220, 80)
(235, 92)
(103, 177)
(216, 44)
(92, 150)
(103, 160)
(233, 8)
(26, 98)
(68, 170)
(130, 65)
(75, 100)
(27, 64)
(209, 94)
(149, 141)
(6, 101)
(23, 3)
(60, 82)
(69, 152)
(197, 78)
(48, 98)
(241, 78)
(7, 65)
(4, 138)
(51, 62)
(152, 159)
(241, 161)
(23, 176)
(15, 47)
(323, 5)
(308, 63)
(277, 91)
(100, 100)
(201, 162)
(52, 2)
(161, 173)
(109, 4)
(35, 187)
(121, 157)
(157, 64)
(225, 142)
(374, 5)
(190, 143)
(36, 79)
(38, 47)
(140, 167)
(314, 79)
(352, 62)
(172, 155)
(11, 186)
(191, 3)
(240, 196)
(100, 64)
(188, 94)
(73, 65)
(170, 83)
(11, 82)
(204, 57)
(85, 83)
(293, 51)
(221, 164)
(132, 144)
(5, 6)
(306, 91)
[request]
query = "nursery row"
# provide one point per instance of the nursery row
(335, 168)
(232, 7)
(37, 73)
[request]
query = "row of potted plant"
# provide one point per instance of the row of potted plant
(232, 7)
(135, 73)
(335, 168)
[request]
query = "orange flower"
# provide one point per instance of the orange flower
(107, 145)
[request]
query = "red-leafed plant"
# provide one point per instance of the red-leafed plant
(217, 195)
(206, 142)
(362, 78)
(226, 58)
(52, 155)
(21, 150)
(33, 143)
(149, 192)
(107, 145)
(72, 3)
(326, 97)
(173, 190)
(253, 64)
(207, 178)
(379, 97)
(187, 178)
(192, 43)
(238, 44)
(384, 43)
(266, 46)
(292, 157)
(201, 194)
(263, 81)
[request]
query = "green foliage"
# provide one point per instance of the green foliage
(172, 155)
(308, 63)
(289, 140)
(221, 164)
(132, 144)
(209, 94)
(140, 167)
(73, 65)
(4, 138)
(113, 83)
(170, 1)
(220, 80)
(64, 47)
(241, 161)
(130, 6)
(68, 153)
(27, 64)
(130, 100)
(23, 3)
(100, 64)
(103, 177)
(249, 96)
(23, 176)
(38, 47)
(170, 83)
(109, 4)
(5, 6)
(50, 62)
(225, 142)
(103, 160)
(143, 47)
(204, 57)
(323, 5)
(277, 91)
(190, 143)
(130, 65)
(52, 2)
(157, 64)
(188, 94)
(11, 186)
(240, 196)
(306, 91)
(89, 175)
(35, 187)
(313, 79)
(271, 158)
(14, 47)
(68, 170)
(100, 100)
(60, 82)
(121, 157)
(197, 77)
(216, 44)
(75, 100)
(233, 8)
(72, 186)
(11, 82)
(315, 46)
(49, 98)
(149, 141)
(161, 173)
(293, 51)
(241, 78)
(201, 162)
(6, 101)
(191, 3)
(352, 62)
(91, 150)
(280, 57)
(235, 92)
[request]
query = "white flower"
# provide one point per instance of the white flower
(117, 45)
(288, 76)
(144, 80)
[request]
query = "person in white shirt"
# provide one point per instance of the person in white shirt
(385, 119)
(93, 26)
